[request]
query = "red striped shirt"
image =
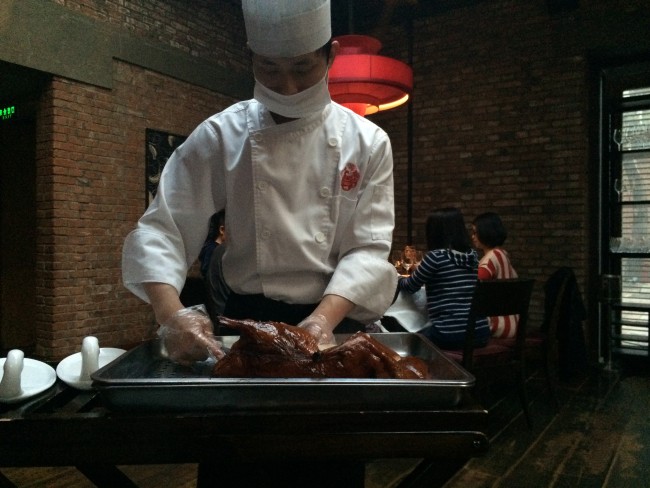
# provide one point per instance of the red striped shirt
(495, 265)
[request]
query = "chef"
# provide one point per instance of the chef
(307, 186)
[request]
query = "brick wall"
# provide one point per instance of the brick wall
(91, 172)
(503, 118)
(90, 194)
(502, 126)
(207, 29)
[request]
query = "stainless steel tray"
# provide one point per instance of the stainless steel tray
(141, 379)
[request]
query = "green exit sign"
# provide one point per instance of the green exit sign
(7, 112)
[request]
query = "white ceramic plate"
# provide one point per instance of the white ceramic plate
(35, 378)
(69, 370)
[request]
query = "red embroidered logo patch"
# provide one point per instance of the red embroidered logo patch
(350, 177)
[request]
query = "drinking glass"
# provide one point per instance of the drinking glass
(409, 258)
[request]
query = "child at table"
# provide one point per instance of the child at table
(488, 236)
(448, 273)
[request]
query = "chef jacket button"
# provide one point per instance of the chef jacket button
(266, 234)
(325, 192)
(262, 185)
(333, 142)
(320, 237)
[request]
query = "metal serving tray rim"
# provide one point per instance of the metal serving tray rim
(142, 380)
(282, 381)
(203, 372)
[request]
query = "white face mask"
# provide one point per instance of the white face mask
(295, 106)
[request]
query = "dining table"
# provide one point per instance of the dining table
(65, 426)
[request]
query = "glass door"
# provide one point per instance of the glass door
(626, 206)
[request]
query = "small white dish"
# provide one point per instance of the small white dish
(69, 370)
(36, 377)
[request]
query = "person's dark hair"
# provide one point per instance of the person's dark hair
(446, 230)
(217, 220)
(490, 230)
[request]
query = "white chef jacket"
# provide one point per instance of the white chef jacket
(309, 208)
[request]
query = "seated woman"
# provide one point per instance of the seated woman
(488, 235)
(448, 272)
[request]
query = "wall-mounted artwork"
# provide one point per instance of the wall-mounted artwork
(160, 146)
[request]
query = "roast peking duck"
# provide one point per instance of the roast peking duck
(279, 350)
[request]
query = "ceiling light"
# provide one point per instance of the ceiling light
(366, 82)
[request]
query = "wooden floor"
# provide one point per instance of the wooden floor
(599, 437)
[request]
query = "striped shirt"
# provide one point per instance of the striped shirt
(449, 278)
(495, 265)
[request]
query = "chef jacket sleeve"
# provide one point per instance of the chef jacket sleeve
(363, 274)
(169, 235)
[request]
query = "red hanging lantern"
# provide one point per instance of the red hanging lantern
(365, 82)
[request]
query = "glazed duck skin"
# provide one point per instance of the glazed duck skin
(278, 350)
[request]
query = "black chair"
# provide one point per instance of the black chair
(494, 299)
(559, 341)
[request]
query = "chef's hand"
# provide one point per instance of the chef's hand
(188, 336)
(320, 329)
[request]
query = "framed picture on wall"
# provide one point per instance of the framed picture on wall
(160, 146)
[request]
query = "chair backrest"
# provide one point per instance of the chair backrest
(555, 298)
(564, 312)
(497, 298)
(555, 295)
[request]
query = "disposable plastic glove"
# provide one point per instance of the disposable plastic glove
(317, 326)
(188, 336)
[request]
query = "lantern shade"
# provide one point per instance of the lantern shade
(360, 77)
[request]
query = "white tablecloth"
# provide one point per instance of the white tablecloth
(410, 310)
